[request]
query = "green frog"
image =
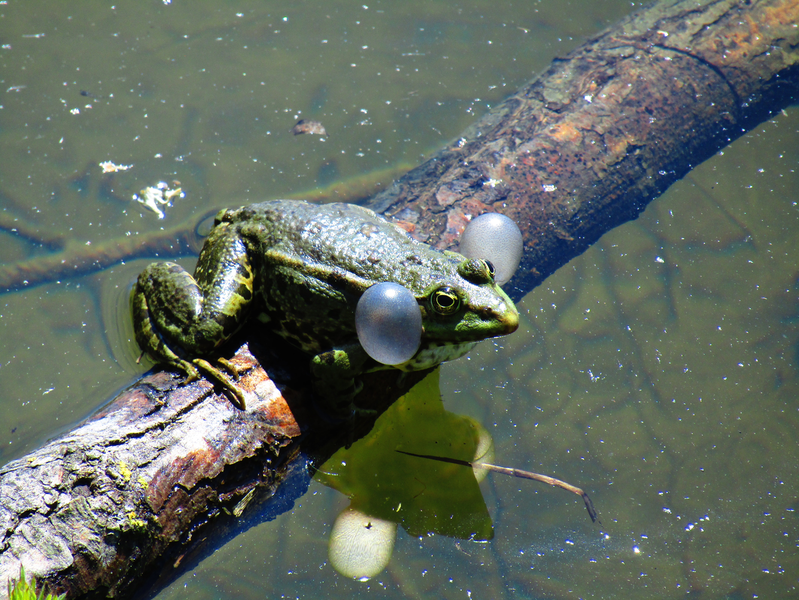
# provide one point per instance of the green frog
(301, 269)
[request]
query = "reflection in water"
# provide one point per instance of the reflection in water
(425, 497)
(361, 545)
(520, 473)
(434, 495)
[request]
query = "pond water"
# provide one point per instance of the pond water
(658, 371)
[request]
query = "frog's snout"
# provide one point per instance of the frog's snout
(500, 319)
(509, 319)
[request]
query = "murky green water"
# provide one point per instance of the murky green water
(658, 371)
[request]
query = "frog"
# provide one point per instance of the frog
(300, 269)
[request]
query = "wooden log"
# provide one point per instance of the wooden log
(155, 476)
(581, 149)
(90, 511)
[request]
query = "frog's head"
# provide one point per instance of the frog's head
(467, 307)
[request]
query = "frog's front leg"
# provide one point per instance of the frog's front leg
(178, 318)
(334, 377)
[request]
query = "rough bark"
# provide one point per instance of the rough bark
(90, 510)
(156, 474)
(581, 149)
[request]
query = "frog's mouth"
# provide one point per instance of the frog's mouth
(474, 326)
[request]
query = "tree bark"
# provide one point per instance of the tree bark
(578, 151)
(91, 510)
(144, 485)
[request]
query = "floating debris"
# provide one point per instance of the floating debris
(109, 167)
(158, 195)
(518, 473)
(303, 126)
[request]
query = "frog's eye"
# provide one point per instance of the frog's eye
(496, 237)
(491, 270)
(445, 301)
(388, 322)
(476, 270)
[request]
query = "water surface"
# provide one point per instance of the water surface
(658, 370)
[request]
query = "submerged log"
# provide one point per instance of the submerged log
(581, 149)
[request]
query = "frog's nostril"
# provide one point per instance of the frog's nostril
(501, 319)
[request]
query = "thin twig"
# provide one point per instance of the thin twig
(518, 473)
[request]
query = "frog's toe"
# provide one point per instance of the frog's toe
(347, 410)
(358, 411)
(189, 370)
(341, 402)
(232, 368)
(231, 390)
(236, 397)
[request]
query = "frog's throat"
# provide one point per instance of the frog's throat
(433, 353)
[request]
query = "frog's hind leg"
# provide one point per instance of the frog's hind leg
(152, 342)
(200, 312)
(178, 317)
